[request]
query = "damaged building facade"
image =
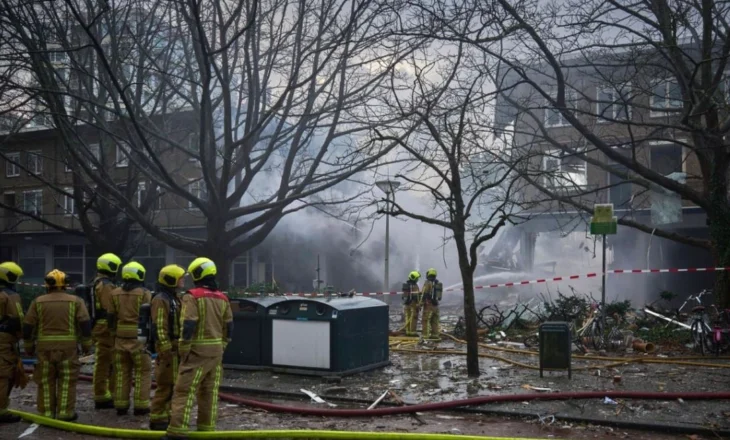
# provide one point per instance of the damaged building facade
(634, 107)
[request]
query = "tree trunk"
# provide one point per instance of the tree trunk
(720, 234)
(470, 313)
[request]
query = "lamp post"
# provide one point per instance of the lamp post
(388, 187)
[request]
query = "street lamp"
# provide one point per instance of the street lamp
(388, 187)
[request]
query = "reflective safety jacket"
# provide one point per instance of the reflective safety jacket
(124, 311)
(165, 314)
(207, 322)
(432, 291)
(411, 293)
(102, 288)
(57, 321)
(11, 317)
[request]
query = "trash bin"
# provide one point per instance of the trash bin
(336, 336)
(555, 347)
(247, 349)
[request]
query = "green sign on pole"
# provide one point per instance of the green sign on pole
(603, 223)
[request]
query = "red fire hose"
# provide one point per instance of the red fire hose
(481, 400)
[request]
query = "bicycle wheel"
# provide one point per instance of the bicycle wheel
(701, 337)
(595, 331)
(531, 341)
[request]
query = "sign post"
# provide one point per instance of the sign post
(603, 223)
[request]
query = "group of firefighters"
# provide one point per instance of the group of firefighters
(127, 324)
(427, 299)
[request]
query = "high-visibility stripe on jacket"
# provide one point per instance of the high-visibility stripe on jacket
(57, 321)
(165, 320)
(207, 322)
(124, 312)
(11, 317)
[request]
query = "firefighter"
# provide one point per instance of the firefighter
(165, 314)
(412, 302)
(11, 318)
(129, 322)
(107, 267)
(207, 326)
(432, 293)
(54, 325)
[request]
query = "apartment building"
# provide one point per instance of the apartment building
(634, 108)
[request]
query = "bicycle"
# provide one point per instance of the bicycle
(702, 334)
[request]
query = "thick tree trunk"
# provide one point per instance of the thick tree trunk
(720, 234)
(470, 313)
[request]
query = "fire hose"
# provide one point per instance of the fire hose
(114, 432)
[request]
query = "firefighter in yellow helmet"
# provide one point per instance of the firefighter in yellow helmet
(412, 302)
(432, 294)
(130, 312)
(107, 267)
(207, 326)
(164, 341)
(53, 327)
(11, 318)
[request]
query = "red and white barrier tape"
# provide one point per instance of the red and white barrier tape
(544, 280)
(516, 283)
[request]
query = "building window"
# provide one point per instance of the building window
(199, 191)
(35, 162)
(33, 201)
(612, 102)
(142, 192)
(665, 94)
(193, 147)
(667, 158)
(11, 165)
(553, 116)
(70, 259)
(69, 204)
(122, 155)
(32, 258)
(95, 151)
(564, 170)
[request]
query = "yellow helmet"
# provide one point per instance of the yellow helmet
(414, 276)
(170, 275)
(10, 272)
(202, 267)
(133, 271)
(108, 263)
(431, 273)
(55, 280)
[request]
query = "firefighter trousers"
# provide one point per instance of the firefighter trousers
(431, 321)
(199, 378)
(412, 310)
(103, 370)
(8, 364)
(128, 362)
(165, 375)
(55, 374)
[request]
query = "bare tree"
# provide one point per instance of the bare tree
(454, 161)
(56, 80)
(283, 96)
(636, 89)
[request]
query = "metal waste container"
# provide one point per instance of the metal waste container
(336, 336)
(247, 349)
(556, 345)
